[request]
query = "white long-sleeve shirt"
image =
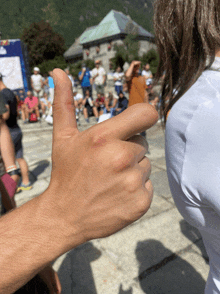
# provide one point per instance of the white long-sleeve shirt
(193, 163)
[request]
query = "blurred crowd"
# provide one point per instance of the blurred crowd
(96, 93)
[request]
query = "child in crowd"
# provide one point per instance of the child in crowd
(89, 107)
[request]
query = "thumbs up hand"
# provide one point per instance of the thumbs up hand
(100, 177)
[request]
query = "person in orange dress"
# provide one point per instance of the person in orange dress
(136, 84)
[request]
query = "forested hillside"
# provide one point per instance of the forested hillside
(68, 17)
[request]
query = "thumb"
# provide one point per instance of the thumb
(63, 104)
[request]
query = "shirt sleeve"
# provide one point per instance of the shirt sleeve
(92, 72)
(201, 166)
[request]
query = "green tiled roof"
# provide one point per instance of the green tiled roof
(113, 24)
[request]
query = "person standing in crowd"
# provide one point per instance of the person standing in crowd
(99, 77)
(49, 118)
(118, 76)
(86, 80)
(11, 120)
(37, 84)
(51, 86)
(45, 84)
(136, 84)
(188, 42)
(146, 72)
(67, 71)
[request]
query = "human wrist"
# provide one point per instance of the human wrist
(57, 223)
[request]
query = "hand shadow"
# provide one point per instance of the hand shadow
(75, 272)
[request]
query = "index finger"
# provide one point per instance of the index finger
(135, 119)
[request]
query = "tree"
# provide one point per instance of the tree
(127, 51)
(42, 42)
(77, 66)
(49, 65)
(151, 57)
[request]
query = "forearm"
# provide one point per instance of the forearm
(81, 76)
(7, 146)
(129, 71)
(31, 237)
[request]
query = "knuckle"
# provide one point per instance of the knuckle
(121, 159)
(133, 181)
(143, 203)
(97, 138)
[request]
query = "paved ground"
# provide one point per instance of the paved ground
(158, 254)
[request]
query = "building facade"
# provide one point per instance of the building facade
(98, 42)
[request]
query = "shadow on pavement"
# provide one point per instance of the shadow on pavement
(39, 169)
(75, 272)
(169, 275)
(121, 291)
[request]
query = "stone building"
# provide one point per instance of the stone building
(98, 42)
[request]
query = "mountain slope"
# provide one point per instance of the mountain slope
(68, 17)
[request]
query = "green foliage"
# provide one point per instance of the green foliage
(77, 66)
(128, 51)
(151, 57)
(49, 65)
(42, 42)
(69, 18)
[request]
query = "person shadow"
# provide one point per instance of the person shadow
(159, 275)
(75, 272)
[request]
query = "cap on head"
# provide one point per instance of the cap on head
(97, 61)
(36, 69)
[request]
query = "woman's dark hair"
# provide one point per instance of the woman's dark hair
(187, 36)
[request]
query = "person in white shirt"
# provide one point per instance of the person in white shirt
(98, 77)
(118, 76)
(37, 83)
(147, 74)
(187, 34)
(70, 76)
